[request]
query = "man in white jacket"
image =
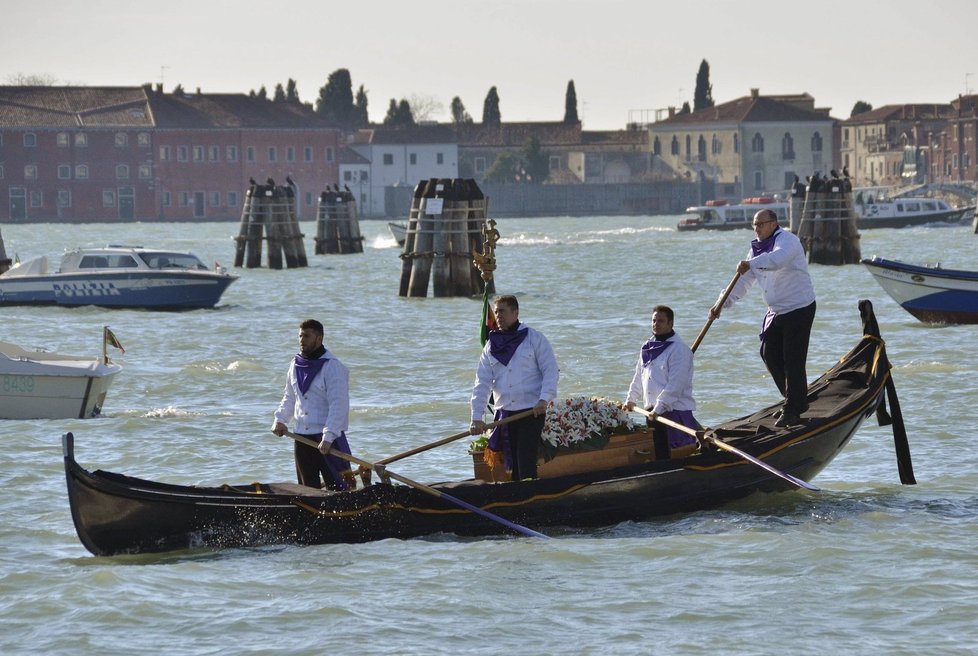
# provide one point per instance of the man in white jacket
(777, 263)
(317, 398)
(519, 368)
(663, 381)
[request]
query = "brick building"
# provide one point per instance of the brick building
(953, 154)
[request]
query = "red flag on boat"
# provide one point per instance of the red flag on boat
(488, 318)
(112, 340)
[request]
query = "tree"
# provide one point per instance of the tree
(178, 90)
(684, 109)
(860, 107)
(279, 93)
(362, 120)
(425, 108)
(263, 93)
(291, 93)
(459, 115)
(703, 95)
(399, 114)
(31, 80)
(570, 105)
(335, 101)
(503, 169)
(536, 163)
(490, 108)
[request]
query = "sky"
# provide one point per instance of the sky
(627, 58)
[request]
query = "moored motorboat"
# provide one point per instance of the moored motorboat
(398, 232)
(930, 293)
(905, 212)
(118, 277)
(45, 385)
(114, 513)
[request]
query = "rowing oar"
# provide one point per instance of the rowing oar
(382, 472)
(709, 322)
(452, 438)
(702, 435)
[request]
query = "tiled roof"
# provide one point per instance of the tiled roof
(74, 107)
(749, 109)
(414, 134)
(920, 112)
(615, 138)
(229, 110)
(513, 135)
(350, 156)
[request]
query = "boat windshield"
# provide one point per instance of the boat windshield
(163, 260)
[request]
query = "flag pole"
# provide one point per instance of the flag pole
(105, 344)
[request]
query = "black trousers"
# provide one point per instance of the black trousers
(784, 350)
(524, 445)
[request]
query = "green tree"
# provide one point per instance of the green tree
(703, 95)
(399, 114)
(335, 102)
(860, 107)
(360, 108)
(459, 115)
(535, 163)
(291, 93)
(262, 93)
(490, 108)
(684, 109)
(279, 93)
(570, 105)
(504, 169)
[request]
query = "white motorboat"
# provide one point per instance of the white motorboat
(43, 385)
(721, 215)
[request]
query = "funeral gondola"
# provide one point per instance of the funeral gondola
(115, 514)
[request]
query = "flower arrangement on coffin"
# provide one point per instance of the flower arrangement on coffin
(577, 424)
(583, 424)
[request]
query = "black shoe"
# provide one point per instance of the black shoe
(787, 419)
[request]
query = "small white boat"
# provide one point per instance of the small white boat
(116, 276)
(930, 293)
(398, 232)
(875, 211)
(42, 385)
(720, 215)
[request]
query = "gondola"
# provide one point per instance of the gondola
(118, 514)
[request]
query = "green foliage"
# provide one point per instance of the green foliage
(490, 108)
(459, 115)
(861, 107)
(335, 102)
(399, 114)
(279, 93)
(570, 105)
(360, 109)
(529, 166)
(504, 169)
(703, 95)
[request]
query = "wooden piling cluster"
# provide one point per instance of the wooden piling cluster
(445, 229)
(828, 226)
(337, 226)
(269, 215)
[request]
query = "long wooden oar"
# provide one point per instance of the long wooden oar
(452, 438)
(709, 322)
(384, 473)
(704, 436)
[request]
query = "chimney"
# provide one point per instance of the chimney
(754, 93)
(672, 112)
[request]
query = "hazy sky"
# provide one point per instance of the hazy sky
(623, 55)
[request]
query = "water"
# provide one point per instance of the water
(867, 566)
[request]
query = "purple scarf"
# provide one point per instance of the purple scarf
(307, 368)
(759, 246)
(503, 344)
(655, 347)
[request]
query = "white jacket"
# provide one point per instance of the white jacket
(325, 407)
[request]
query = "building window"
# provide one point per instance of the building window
(183, 153)
(231, 153)
(232, 199)
(440, 158)
(347, 176)
(81, 171)
(214, 153)
(250, 153)
(272, 154)
(108, 198)
(715, 145)
(736, 143)
(554, 162)
(198, 153)
(167, 201)
(689, 147)
(329, 154)
(816, 143)
(701, 148)
(143, 139)
(30, 172)
(164, 153)
(122, 172)
(758, 180)
(145, 172)
(412, 159)
(363, 176)
(308, 199)
(37, 198)
(30, 140)
(388, 159)
(215, 198)
(787, 147)
(81, 140)
(1, 171)
(674, 147)
(479, 163)
(290, 154)
(121, 139)
(307, 153)
(64, 198)
(63, 140)
(757, 143)
(184, 199)
(64, 172)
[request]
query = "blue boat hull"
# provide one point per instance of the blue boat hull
(149, 290)
(930, 294)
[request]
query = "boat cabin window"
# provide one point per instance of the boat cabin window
(111, 261)
(711, 216)
(172, 261)
(735, 216)
(911, 207)
(930, 206)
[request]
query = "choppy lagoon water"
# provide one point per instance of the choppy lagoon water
(867, 566)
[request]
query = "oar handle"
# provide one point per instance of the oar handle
(452, 438)
(382, 472)
(709, 322)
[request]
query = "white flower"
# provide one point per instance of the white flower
(582, 418)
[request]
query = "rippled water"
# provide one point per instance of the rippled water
(867, 566)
